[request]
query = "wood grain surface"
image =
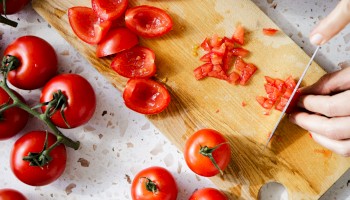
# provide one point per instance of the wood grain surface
(306, 169)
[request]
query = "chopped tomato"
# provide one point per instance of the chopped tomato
(203, 70)
(227, 60)
(206, 57)
(239, 65)
(205, 44)
(215, 41)
(269, 31)
(109, 9)
(233, 78)
(86, 24)
(218, 72)
(216, 59)
(240, 52)
(219, 50)
(238, 35)
(248, 71)
(290, 82)
(230, 44)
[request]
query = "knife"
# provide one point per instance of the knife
(291, 97)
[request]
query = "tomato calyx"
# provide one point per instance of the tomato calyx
(208, 152)
(9, 63)
(150, 185)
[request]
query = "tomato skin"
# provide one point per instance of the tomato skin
(14, 119)
(201, 164)
(86, 24)
(38, 62)
(141, 20)
(81, 99)
(146, 96)
(34, 175)
(208, 194)
(137, 62)
(165, 182)
(115, 41)
(13, 6)
(269, 31)
(109, 9)
(11, 194)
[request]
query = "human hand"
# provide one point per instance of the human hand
(332, 24)
(327, 116)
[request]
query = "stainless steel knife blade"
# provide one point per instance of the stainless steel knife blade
(291, 97)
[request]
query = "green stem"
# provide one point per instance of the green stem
(208, 152)
(150, 185)
(7, 21)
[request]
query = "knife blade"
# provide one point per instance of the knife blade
(291, 96)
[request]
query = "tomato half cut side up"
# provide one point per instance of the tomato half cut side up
(87, 25)
(146, 96)
(115, 41)
(137, 62)
(148, 21)
(109, 9)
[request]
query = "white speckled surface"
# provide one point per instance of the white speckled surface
(117, 143)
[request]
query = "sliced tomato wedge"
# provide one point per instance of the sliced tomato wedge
(146, 96)
(109, 9)
(269, 31)
(115, 41)
(86, 24)
(137, 62)
(238, 35)
(148, 21)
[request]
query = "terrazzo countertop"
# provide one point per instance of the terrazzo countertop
(117, 143)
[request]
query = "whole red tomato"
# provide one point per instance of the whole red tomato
(11, 194)
(37, 62)
(154, 183)
(205, 149)
(33, 175)
(13, 6)
(12, 120)
(208, 194)
(81, 99)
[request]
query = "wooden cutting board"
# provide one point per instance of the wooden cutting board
(306, 169)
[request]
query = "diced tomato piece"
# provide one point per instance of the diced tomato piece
(238, 35)
(227, 60)
(269, 31)
(247, 73)
(233, 78)
(215, 59)
(270, 80)
(240, 52)
(205, 45)
(261, 100)
(220, 50)
(215, 41)
(202, 71)
(206, 57)
(290, 82)
(217, 72)
(269, 88)
(239, 65)
(279, 84)
(230, 44)
(274, 95)
(281, 104)
(244, 104)
(288, 92)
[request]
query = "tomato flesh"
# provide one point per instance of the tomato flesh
(269, 31)
(109, 9)
(238, 35)
(148, 21)
(87, 25)
(146, 96)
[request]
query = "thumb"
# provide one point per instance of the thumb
(332, 24)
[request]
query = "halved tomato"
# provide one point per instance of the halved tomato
(109, 9)
(146, 96)
(87, 25)
(148, 21)
(269, 31)
(115, 41)
(137, 62)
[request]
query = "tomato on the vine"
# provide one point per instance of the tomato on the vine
(146, 96)
(109, 9)
(137, 62)
(154, 183)
(13, 6)
(148, 21)
(80, 99)
(115, 41)
(34, 175)
(11, 194)
(37, 62)
(87, 25)
(207, 152)
(12, 120)
(208, 194)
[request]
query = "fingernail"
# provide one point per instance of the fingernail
(316, 39)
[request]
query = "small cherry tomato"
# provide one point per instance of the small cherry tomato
(269, 31)
(34, 175)
(208, 194)
(11, 194)
(137, 62)
(154, 183)
(86, 24)
(148, 21)
(207, 152)
(13, 6)
(12, 120)
(80, 99)
(37, 62)
(146, 96)
(109, 9)
(115, 41)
